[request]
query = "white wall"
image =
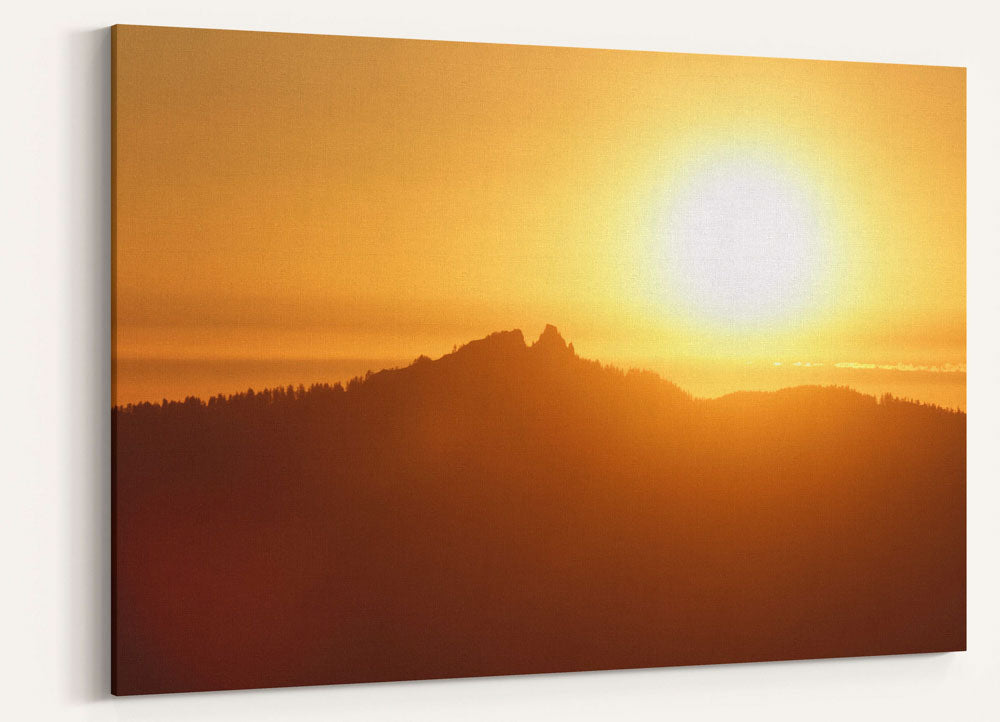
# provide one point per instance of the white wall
(54, 287)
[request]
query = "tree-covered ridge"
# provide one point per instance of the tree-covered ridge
(550, 342)
(513, 508)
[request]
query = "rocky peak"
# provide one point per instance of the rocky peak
(551, 341)
(499, 342)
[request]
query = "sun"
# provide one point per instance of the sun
(743, 243)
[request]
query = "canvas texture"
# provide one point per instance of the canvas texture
(440, 359)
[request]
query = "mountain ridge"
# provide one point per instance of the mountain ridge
(510, 347)
(513, 509)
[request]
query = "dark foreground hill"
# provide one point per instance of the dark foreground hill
(514, 509)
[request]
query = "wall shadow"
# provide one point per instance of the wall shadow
(87, 140)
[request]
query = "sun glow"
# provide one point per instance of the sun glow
(743, 244)
(681, 213)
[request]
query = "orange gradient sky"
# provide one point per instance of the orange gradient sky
(296, 208)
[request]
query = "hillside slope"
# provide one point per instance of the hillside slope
(511, 508)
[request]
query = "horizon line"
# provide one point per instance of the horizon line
(549, 331)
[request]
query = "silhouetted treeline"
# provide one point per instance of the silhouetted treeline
(510, 509)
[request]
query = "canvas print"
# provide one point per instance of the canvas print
(443, 359)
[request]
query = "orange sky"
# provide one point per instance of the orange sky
(296, 208)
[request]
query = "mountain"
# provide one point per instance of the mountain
(513, 508)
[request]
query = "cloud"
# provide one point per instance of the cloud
(942, 369)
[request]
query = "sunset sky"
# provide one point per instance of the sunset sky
(297, 208)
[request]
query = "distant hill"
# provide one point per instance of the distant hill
(513, 508)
